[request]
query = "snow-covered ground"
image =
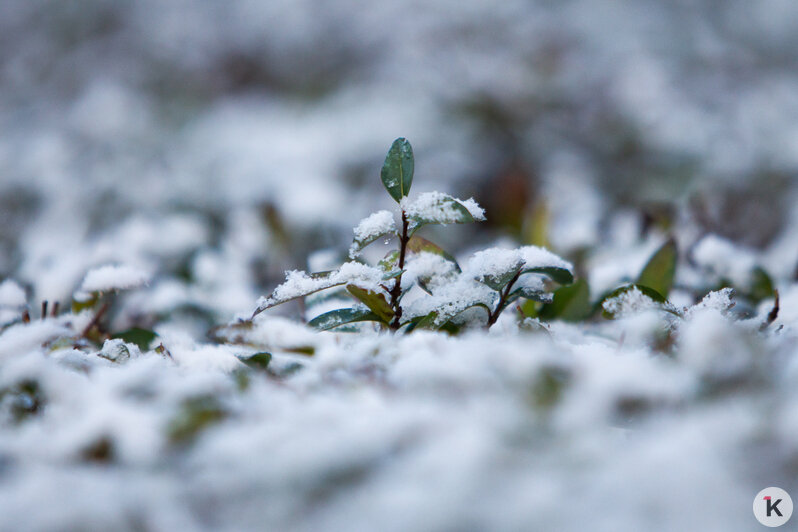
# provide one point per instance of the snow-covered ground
(186, 154)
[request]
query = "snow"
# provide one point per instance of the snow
(12, 295)
(439, 208)
(497, 261)
(725, 259)
(369, 229)
(298, 283)
(107, 278)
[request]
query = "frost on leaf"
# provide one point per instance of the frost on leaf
(298, 283)
(370, 229)
(439, 208)
(108, 278)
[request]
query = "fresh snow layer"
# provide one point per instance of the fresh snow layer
(419, 432)
(369, 229)
(497, 261)
(299, 283)
(107, 278)
(437, 207)
(12, 295)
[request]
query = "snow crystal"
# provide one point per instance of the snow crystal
(11, 294)
(374, 226)
(107, 278)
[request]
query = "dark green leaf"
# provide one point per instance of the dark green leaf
(374, 301)
(556, 274)
(336, 318)
(527, 293)
(141, 337)
(421, 322)
(258, 360)
(397, 171)
(570, 303)
(761, 285)
(358, 245)
(659, 272)
(499, 281)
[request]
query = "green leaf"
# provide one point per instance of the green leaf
(556, 274)
(527, 293)
(659, 272)
(421, 322)
(417, 245)
(761, 285)
(390, 262)
(374, 301)
(258, 360)
(499, 281)
(570, 303)
(358, 245)
(343, 316)
(79, 305)
(397, 171)
(141, 337)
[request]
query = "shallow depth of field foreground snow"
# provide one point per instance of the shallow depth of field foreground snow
(570, 428)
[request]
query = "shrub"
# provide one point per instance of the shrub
(419, 285)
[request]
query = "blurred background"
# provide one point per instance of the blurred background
(219, 143)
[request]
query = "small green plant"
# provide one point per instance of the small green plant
(447, 296)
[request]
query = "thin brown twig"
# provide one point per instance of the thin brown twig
(396, 291)
(493, 316)
(94, 321)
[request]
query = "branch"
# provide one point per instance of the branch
(396, 291)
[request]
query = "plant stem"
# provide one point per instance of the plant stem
(500, 305)
(396, 291)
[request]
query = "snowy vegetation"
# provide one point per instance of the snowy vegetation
(600, 336)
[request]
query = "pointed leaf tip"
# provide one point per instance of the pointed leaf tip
(397, 171)
(659, 272)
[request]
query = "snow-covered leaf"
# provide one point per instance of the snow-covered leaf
(300, 284)
(418, 244)
(633, 298)
(108, 278)
(369, 229)
(439, 208)
(344, 316)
